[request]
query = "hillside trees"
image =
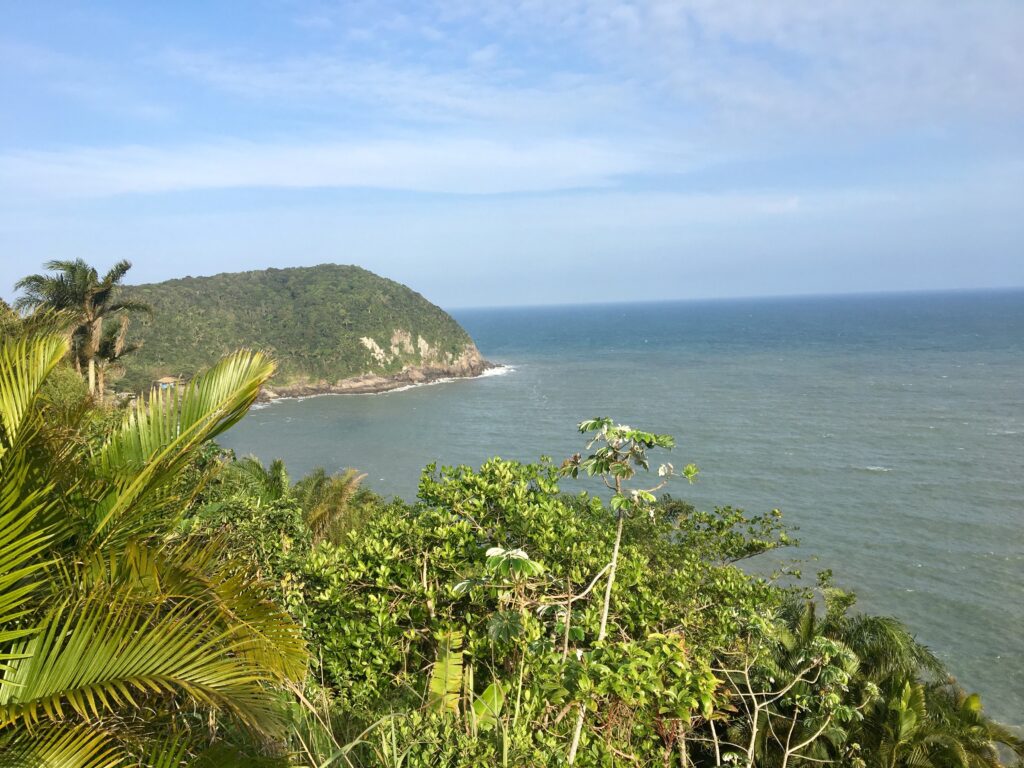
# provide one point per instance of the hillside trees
(466, 629)
(497, 566)
(312, 319)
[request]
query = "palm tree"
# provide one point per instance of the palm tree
(325, 500)
(888, 703)
(123, 641)
(78, 288)
(112, 347)
(973, 738)
(259, 484)
(912, 711)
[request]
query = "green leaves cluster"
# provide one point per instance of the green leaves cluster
(466, 629)
(497, 558)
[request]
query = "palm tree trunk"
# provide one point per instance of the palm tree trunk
(95, 336)
(101, 376)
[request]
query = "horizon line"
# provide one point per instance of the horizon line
(745, 297)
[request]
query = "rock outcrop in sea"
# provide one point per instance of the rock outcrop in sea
(466, 365)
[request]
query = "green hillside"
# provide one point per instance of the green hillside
(322, 324)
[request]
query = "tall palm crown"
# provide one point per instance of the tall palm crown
(78, 288)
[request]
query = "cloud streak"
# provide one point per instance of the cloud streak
(471, 92)
(731, 80)
(449, 165)
(865, 61)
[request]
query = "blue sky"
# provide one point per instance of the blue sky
(522, 152)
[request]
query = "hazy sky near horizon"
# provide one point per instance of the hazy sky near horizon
(522, 152)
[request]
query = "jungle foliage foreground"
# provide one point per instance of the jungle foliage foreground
(164, 604)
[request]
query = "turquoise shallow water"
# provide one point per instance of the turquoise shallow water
(889, 429)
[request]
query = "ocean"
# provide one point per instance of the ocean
(889, 430)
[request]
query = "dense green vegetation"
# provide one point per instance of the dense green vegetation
(466, 630)
(164, 603)
(310, 319)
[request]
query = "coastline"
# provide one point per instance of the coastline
(375, 384)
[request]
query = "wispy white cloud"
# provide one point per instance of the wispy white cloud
(456, 166)
(865, 62)
(733, 78)
(475, 93)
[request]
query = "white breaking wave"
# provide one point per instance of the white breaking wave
(498, 370)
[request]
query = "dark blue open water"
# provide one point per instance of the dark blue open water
(890, 429)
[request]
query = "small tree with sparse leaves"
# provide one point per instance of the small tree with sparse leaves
(618, 453)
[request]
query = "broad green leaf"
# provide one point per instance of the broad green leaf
(445, 683)
(487, 706)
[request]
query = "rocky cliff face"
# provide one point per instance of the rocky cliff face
(431, 368)
(401, 349)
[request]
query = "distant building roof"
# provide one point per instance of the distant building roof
(168, 380)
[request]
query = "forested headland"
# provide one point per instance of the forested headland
(166, 603)
(322, 324)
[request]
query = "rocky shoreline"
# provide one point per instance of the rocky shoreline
(467, 367)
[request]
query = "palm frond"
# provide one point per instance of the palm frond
(25, 363)
(168, 752)
(261, 484)
(65, 746)
(326, 502)
(130, 306)
(150, 574)
(117, 272)
(888, 649)
(103, 655)
(20, 545)
(445, 682)
(141, 458)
